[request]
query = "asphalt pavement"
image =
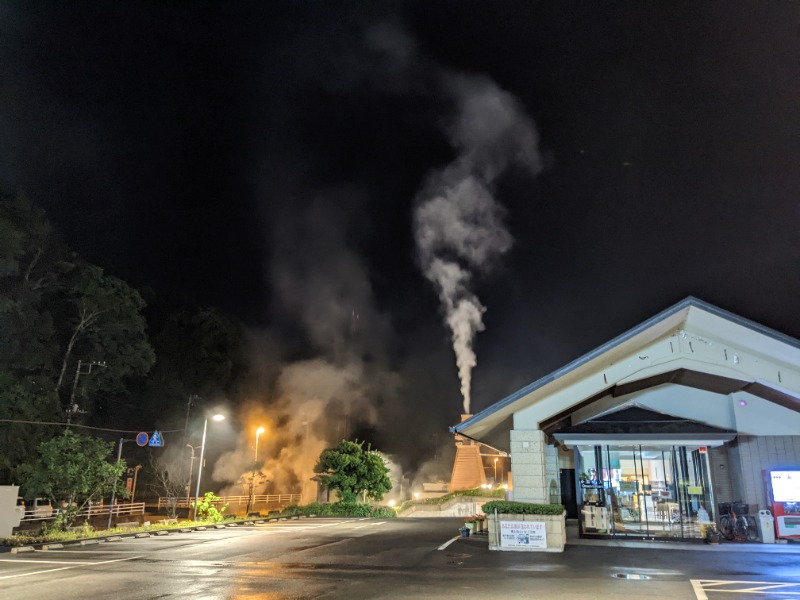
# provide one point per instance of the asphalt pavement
(377, 559)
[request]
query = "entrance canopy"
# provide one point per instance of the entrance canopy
(636, 425)
(725, 365)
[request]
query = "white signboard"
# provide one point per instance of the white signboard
(523, 534)
(785, 486)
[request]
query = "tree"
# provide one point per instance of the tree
(351, 470)
(105, 323)
(24, 401)
(73, 468)
(171, 479)
(33, 264)
(198, 351)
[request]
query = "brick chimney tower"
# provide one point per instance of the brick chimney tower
(468, 470)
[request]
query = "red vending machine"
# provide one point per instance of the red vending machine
(784, 493)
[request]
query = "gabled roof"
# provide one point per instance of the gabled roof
(690, 313)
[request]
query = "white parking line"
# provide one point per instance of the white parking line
(448, 542)
(46, 562)
(370, 525)
(698, 589)
(75, 566)
(702, 586)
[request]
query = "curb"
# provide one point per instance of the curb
(118, 538)
(47, 547)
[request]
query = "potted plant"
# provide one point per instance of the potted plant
(711, 534)
(469, 523)
(480, 523)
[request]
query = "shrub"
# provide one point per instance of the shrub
(207, 511)
(522, 508)
(339, 509)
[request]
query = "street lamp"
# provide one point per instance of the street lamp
(259, 431)
(251, 497)
(200, 467)
(189, 483)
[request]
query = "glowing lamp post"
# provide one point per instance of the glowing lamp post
(200, 468)
(259, 431)
(251, 498)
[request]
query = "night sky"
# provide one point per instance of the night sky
(268, 158)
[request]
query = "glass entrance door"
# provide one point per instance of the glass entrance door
(644, 491)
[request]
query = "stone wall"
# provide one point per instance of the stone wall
(529, 465)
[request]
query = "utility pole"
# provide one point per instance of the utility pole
(192, 399)
(73, 408)
(114, 489)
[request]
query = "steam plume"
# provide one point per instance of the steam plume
(458, 225)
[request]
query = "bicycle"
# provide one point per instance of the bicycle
(735, 523)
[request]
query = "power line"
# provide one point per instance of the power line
(82, 426)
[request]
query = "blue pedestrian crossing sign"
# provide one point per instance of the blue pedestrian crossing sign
(156, 440)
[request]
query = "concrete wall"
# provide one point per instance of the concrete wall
(721, 472)
(751, 456)
(456, 507)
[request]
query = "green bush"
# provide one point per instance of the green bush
(339, 509)
(521, 508)
(207, 510)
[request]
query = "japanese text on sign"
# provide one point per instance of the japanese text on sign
(523, 534)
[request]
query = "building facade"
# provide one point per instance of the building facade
(656, 432)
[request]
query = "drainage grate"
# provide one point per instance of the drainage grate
(630, 576)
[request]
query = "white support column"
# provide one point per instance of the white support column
(529, 466)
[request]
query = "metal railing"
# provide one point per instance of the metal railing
(257, 500)
(40, 514)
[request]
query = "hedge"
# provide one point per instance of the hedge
(521, 508)
(339, 509)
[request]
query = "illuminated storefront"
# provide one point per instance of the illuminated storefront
(643, 474)
(647, 435)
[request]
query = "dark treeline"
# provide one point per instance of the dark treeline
(80, 345)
